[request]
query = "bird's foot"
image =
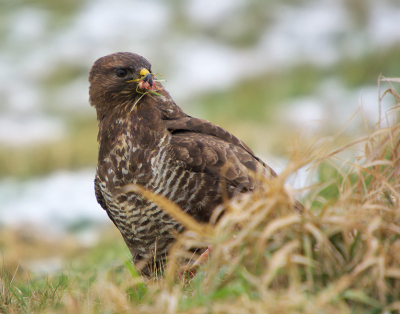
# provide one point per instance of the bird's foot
(189, 271)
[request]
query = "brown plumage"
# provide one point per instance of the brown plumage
(148, 140)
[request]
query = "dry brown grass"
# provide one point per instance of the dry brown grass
(342, 255)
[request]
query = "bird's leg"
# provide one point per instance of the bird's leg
(203, 257)
(189, 271)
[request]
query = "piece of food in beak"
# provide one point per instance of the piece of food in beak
(147, 81)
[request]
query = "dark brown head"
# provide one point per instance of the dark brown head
(114, 80)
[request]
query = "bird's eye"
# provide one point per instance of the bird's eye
(121, 73)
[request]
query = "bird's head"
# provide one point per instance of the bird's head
(117, 79)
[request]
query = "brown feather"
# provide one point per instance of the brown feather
(148, 140)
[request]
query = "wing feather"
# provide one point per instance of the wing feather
(206, 147)
(215, 147)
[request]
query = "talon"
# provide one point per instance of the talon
(186, 272)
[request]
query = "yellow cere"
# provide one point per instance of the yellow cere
(143, 72)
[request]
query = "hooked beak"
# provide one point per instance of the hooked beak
(146, 81)
(146, 77)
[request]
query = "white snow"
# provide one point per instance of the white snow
(17, 130)
(56, 200)
(318, 32)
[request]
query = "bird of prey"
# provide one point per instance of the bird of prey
(146, 139)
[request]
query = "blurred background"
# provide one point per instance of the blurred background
(264, 70)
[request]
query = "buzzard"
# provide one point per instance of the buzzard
(146, 139)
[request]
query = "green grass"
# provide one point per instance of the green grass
(246, 109)
(341, 255)
(256, 99)
(77, 150)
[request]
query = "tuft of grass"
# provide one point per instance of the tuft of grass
(340, 255)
